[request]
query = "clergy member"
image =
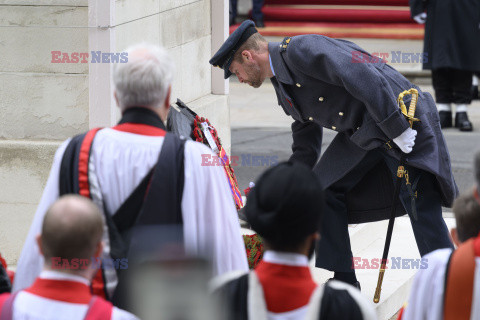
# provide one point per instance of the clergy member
(140, 175)
(285, 209)
(71, 232)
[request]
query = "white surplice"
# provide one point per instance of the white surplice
(427, 292)
(121, 160)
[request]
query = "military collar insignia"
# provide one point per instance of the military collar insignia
(275, 49)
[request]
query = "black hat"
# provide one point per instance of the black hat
(224, 56)
(286, 204)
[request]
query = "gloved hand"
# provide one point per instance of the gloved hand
(406, 140)
(420, 18)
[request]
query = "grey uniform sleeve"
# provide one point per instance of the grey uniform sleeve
(321, 58)
(307, 142)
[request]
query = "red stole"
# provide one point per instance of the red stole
(98, 283)
(460, 280)
(286, 288)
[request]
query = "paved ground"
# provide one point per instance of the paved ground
(261, 129)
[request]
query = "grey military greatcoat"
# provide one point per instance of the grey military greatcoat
(319, 84)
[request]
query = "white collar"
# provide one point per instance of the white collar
(57, 275)
(285, 258)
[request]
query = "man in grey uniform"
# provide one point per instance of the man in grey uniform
(321, 82)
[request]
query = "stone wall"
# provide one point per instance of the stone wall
(41, 103)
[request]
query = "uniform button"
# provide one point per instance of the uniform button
(311, 119)
(299, 85)
(334, 128)
(340, 114)
(358, 128)
(321, 99)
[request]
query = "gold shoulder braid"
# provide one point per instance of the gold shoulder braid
(285, 43)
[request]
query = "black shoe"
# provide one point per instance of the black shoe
(259, 23)
(356, 284)
(445, 119)
(462, 122)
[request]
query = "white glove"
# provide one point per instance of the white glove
(406, 140)
(420, 18)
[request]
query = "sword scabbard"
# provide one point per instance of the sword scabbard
(378, 290)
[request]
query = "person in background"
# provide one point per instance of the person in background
(285, 208)
(451, 46)
(257, 14)
(70, 238)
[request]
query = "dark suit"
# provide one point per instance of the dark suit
(452, 46)
(452, 33)
(319, 84)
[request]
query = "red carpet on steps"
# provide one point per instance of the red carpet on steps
(385, 19)
(349, 14)
(342, 2)
(342, 30)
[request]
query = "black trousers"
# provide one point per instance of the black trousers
(334, 252)
(452, 85)
(256, 9)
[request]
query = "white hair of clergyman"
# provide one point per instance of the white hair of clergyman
(144, 80)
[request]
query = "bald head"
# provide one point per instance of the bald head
(72, 228)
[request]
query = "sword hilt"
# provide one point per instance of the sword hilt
(413, 105)
(410, 113)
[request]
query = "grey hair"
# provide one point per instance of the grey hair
(144, 80)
